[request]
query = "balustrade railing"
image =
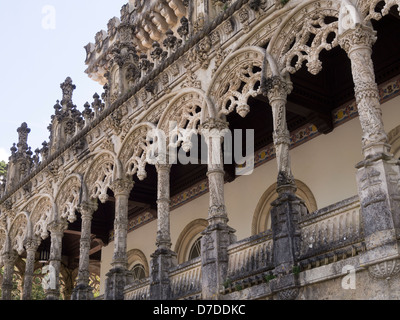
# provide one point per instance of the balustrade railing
(186, 280)
(250, 256)
(330, 228)
(138, 290)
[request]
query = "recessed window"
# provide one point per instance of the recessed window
(138, 272)
(195, 251)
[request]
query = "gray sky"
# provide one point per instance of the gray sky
(42, 43)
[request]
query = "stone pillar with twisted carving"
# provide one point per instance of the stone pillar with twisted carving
(218, 235)
(163, 259)
(378, 175)
(277, 92)
(52, 289)
(287, 208)
(8, 259)
(116, 277)
(31, 247)
(83, 291)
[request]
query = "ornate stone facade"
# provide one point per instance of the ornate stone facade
(175, 72)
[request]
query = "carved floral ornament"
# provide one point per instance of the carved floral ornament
(41, 216)
(18, 233)
(133, 154)
(237, 80)
(304, 35)
(68, 198)
(100, 176)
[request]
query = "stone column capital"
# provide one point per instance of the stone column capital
(212, 125)
(87, 208)
(9, 258)
(276, 88)
(361, 36)
(32, 244)
(122, 186)
(163, 167)
(58, 227)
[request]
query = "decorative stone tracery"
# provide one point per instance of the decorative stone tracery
(295, 38)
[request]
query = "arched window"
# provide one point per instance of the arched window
(188, 245)
(195, 250)
(138, 264)
(138, 272)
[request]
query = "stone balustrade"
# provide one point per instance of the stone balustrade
(327, 235)
(250, 257)
(186, 280)
(331, 228)
(139, 290)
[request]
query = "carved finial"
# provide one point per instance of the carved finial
(67, 88)
(23, 132)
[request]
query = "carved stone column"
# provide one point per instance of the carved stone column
(83, 291)
(287, 208)
(163, 259)
(31, 247)
(56, 229)
(218, 235)
(7, 285)
(378, 174)
(116, 277)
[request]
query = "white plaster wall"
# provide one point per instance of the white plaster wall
(326, 164)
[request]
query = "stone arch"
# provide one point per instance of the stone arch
(100, 174)
(183, 116)
(236, 80)
(303, 34)
(69, 197)
(262, 218)
(19, 230)
(136, 256)
(41, 215)
(370, 9)
(134, 151)
(187, 237)
(394, 141)
(180, 108)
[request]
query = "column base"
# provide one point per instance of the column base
(52, 294)
(379, 191)
(115, 284)
(82, 292)
(214, 259)
(285, 213)
(162, 261)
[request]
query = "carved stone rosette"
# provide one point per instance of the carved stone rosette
(385, 270)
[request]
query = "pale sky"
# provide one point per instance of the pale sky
(42, 43)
